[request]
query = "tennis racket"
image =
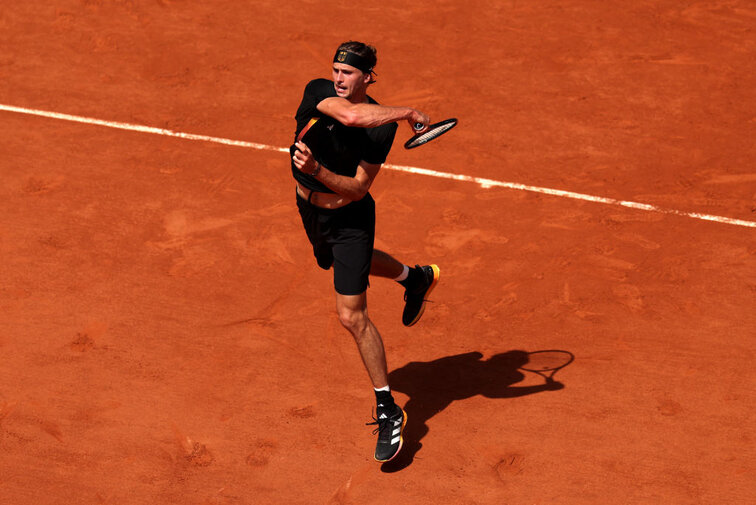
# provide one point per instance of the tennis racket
(547, 363)
(434, 131)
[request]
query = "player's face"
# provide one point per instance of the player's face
(349, 82)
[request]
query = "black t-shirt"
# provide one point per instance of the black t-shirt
(337, 147)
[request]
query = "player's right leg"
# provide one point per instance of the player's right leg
(389, 417)
(352, 311)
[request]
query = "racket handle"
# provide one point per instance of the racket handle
(419, 126)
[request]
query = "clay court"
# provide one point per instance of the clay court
(167, 338)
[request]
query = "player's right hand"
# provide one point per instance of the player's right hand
(418, 118)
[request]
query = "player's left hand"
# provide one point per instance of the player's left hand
(303, 158)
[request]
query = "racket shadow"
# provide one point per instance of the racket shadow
(434, 385)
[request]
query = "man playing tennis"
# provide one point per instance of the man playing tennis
(334, 161)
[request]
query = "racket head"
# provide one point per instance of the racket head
(547, 361)
(434, 131)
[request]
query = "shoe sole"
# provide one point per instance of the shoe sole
(401, 441)
(436, 275)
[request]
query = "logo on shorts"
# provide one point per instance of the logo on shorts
(342, 56)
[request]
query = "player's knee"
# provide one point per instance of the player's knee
(353, 320)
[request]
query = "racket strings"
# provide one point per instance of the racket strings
(425, 137)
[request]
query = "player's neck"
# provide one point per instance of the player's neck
(359, 97)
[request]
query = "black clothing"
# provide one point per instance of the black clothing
(337, 147)
(342, 238)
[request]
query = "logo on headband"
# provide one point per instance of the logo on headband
(349, 58)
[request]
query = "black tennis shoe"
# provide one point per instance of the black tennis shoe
(416, 294)
(390, 434)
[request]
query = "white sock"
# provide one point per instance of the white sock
(403, 275)
(383, 399)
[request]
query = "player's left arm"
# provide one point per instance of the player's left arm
(354, 188)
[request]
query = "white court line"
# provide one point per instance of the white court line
(139, 128)
(484, 183)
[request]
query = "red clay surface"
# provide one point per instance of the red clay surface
(166, 337)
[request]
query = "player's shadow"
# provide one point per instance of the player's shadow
(434, 385)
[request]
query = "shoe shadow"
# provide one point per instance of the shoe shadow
(433, 385)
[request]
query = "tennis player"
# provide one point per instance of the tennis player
(343, 138)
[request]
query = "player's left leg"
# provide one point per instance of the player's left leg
(418, 282)
(385, 265)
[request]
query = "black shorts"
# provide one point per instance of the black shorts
(342, 238)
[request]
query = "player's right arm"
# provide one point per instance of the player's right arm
(368, 115)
